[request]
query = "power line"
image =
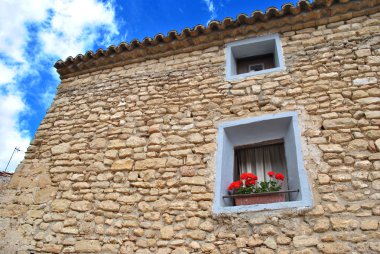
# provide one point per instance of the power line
(14, 150)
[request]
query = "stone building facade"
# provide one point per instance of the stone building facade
(125, 159)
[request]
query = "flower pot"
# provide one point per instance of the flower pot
(260, 198)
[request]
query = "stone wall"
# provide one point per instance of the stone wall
(124, 160)
(4, 180)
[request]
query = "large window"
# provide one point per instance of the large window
(259, 145)
(254, 56)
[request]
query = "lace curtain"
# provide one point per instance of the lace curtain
(261, 160)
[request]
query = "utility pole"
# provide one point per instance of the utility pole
(14, 150)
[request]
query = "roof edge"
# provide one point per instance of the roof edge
(303, 15)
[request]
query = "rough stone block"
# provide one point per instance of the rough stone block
(195, 180)
(167, 232)
(60, 205)
(333, 248)
(339, 123)
(52, 248)
(305, 241)
(45, 194)
(341, 223)
(125, 164)
(109, 205)
(150, 163)
(60, 149)
(81, 206)
(364, 81)
(369, 224)
(373, 60)
(88, 246)
(136, 141)
(98, 143)
(372, 114)
(331, 148)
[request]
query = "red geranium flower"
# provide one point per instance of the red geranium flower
(270, 173)
(250, 182)
(247, 176)
(280, 176)
(235, 185)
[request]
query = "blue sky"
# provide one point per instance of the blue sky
(34, 34)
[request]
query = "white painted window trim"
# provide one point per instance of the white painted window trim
(279, 56)
(304, 187)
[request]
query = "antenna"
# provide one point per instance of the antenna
(14, 150)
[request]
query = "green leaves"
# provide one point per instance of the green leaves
(244, 190)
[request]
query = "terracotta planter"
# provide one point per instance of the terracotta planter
(260, 198)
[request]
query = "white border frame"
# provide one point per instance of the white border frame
(229, 56)
(307, 197)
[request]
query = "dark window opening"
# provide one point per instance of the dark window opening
(255, 63)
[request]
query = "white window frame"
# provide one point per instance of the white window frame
(231, 59)
(255, 130)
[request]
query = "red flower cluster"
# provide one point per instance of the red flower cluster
(246, 180)
(247, 183)
(235, 185)
(278, 176)
(249, 178)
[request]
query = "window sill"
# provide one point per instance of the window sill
(296, 205)
(253, 74)
(258, 194)
(261, 207)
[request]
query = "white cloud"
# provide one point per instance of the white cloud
(211, 9)
(14, 16)
(31, 32)
(11, 106)
(7, 74)
(74, 26)
(67, 27)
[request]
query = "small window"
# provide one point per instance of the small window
(253, 57)
(261, 145)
